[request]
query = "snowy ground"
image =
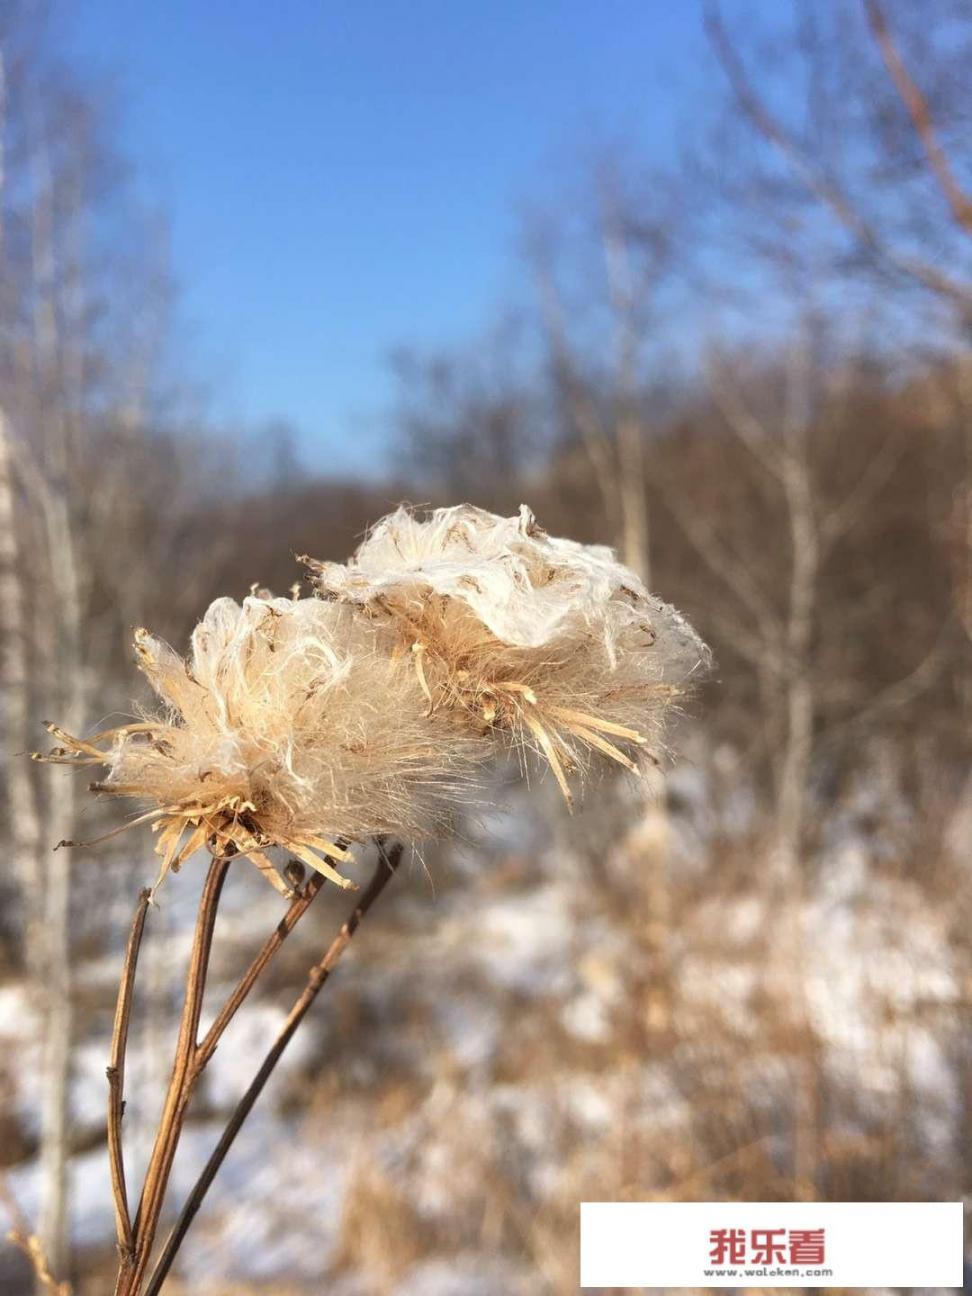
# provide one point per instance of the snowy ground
(485, 1078)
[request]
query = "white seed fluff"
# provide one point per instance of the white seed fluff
(550, 642)
(287, 726)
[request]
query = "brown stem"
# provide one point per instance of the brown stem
(283, 929)
(387, 864)
(135, 1242)
(116, 1077)
(132, 1269)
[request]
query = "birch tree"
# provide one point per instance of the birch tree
(68, 382)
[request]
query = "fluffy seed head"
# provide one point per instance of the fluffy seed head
(289, 725)
(554, 644)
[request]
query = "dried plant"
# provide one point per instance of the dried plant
(26, 1240)
(552, 645)
(287, 726)
(311, 724)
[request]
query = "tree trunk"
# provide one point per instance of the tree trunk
(58, 395)
(23, 816)
(67, 692)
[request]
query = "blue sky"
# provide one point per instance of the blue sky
(344, 178)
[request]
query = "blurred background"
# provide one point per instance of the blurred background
(691, 280)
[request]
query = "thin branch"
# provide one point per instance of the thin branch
(132, 1269)
(192, 1055)
(734, 572)
(916, 104)
(26, 1240)
(821, 186)
(116, 1076)
(283, 929)
(388, 863)
(898, 694)
(747, 427)
(874, 477)
(580, 406)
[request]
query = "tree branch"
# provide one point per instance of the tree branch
(821, 186)
(918, 109)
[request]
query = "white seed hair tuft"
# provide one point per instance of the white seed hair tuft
(551, 644)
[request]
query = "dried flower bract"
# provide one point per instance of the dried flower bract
(288, 726)
(553, 644)
(309, 724)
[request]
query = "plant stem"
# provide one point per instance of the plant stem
(388, 862)
(283, 929)
(116, 1077)
(135, 1241)
(132, 1268)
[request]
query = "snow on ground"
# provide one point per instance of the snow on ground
(470, 1274)
(472, 962)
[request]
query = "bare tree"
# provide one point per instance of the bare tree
(837, 125)
(601, 392)
(467, 420)
(22, 801)
(61, 386)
